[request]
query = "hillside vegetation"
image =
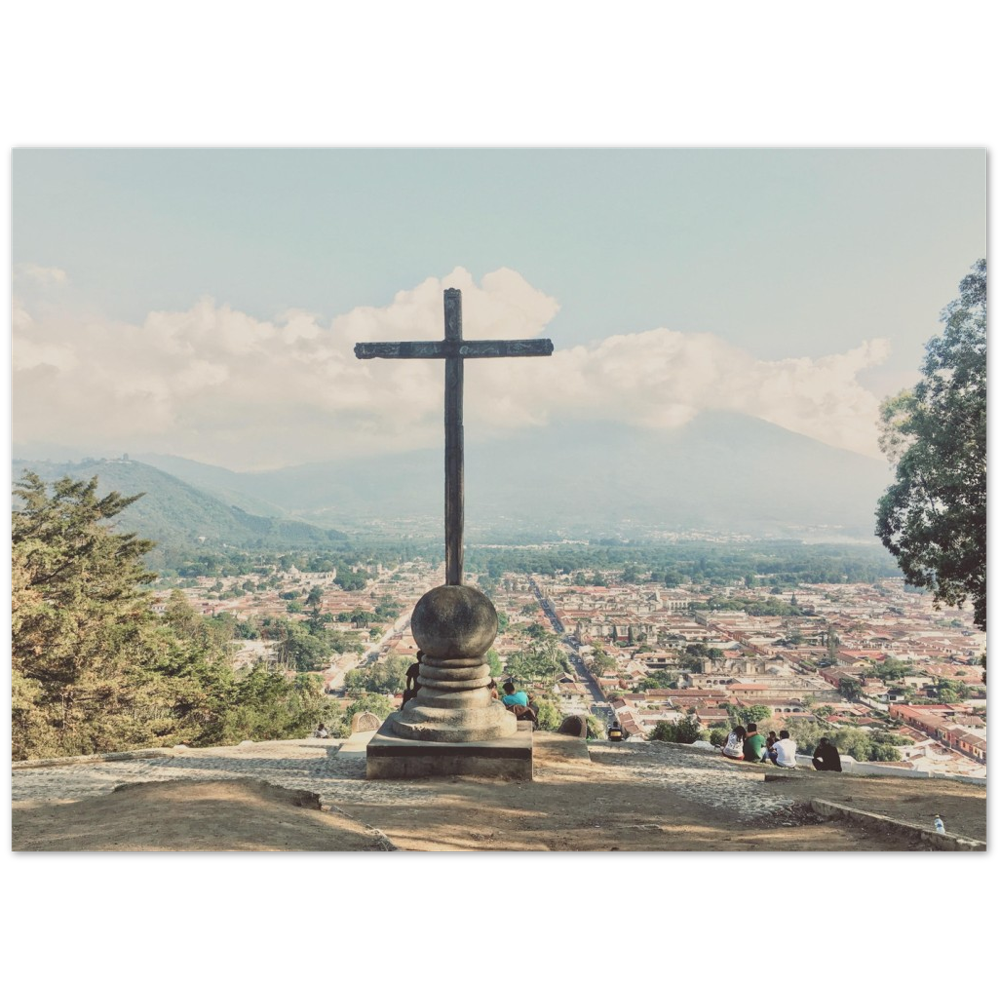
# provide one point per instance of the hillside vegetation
(177, 515)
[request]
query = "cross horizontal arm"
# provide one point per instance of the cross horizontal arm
(534, 347)
(402, 349)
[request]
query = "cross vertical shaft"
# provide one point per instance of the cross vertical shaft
(454, 441)
(454, 350)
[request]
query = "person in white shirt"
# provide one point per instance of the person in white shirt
(733, 747)
(784, 750)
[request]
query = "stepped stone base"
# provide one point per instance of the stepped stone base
(390, 756)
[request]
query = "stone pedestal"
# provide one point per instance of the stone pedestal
(388, 756)
(453, 627)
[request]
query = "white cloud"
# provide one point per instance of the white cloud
(38, 275)
(217, 385)
(20, 316)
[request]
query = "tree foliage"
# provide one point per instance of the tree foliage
(850, 687)
(861, 744)
(933, 517)
(384, 677)
(783, 563)
(80, 641)
(306, 645)
(549, 716)
(682, 731)
(657, 680)
(94, 669)
(542, 660)
(379, 705)
(495, 664)
(889, 670)
(741, 715)
(602, 662)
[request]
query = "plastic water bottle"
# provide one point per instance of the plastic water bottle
(939, 824)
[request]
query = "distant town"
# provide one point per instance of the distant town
(897, 683)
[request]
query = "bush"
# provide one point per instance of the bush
(685, 731)
(549, 717)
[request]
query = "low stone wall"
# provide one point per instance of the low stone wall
(96, 758)
(866, 767)
(934, 840)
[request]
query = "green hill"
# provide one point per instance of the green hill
(177, 515)
(224, 485)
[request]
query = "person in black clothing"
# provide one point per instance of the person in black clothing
(412, 684)
(826, 757)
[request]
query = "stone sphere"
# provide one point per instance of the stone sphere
(454, 622)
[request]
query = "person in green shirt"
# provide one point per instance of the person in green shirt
(753, 745)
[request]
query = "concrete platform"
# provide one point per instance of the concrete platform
(389, 756)
(356, 743)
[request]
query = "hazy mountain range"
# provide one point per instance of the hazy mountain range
(721, 473)
(176, 513)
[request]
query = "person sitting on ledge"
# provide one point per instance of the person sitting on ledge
(826, 757)
(733, 748)
(513, 698)
(753, 745)
(321, 732)
(783, 752)
(517, 702)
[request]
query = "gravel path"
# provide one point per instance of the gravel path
(339, 778)
(312, 765)
(700, 777)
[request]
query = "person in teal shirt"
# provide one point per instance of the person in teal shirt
(753, 745)
(512, 697)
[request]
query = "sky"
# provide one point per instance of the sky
(205, 302)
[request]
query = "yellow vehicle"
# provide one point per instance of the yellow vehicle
(615, 732)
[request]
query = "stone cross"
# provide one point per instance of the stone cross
(454, 350)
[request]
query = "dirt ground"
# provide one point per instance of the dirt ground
(188, 816)
(574, 804)
(963, 806)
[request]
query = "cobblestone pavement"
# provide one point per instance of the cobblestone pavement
(339, 778)
(701, 777)
(312, 765)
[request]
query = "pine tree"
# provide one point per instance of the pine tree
(81, 625)
(94, 669)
